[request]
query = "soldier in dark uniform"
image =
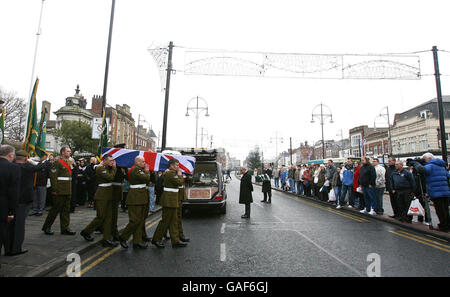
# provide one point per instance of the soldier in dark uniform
(181, 196)
(117, 185)
(170, 203)
(137, 201)
(144, 231)
(103, 200)
(61, 181)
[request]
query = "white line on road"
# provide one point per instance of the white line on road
(222, 230)
(223, 254)
(259, 205)
(278, 219)
(330, 254)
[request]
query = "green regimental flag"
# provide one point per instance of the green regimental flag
(103, 138)
(40, 146)
(31, 136)
(2, 126)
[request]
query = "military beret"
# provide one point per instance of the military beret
(21, 153)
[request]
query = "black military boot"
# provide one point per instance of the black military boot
(158, 244)
(123, 242)
(47, 231)
(142, 246)
(68, 232)
(109, 243)
(179, 244)
(86, 236)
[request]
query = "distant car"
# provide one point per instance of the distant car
(206, 188)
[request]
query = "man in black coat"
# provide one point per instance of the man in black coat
(266, 184)
(393, 197)
(9, 189)
(40, 191)
(245, 192)
(91, 183)
(16, 228)
(403, 184)
(367, 180)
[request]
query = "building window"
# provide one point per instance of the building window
(356, 153)
(356, 140)
(375, 150)
(423, 143)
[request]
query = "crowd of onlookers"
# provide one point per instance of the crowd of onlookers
(362, 184)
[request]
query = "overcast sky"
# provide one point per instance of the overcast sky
(244, 111)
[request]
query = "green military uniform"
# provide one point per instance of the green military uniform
(147, 208)
(103, 201)
(181, 196)
(116, 198)
(137, 201)
(170, 203)
(61, 182)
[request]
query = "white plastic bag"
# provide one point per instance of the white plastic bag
(331, 196)
(327, 183)
(359, 190)
(415, 208)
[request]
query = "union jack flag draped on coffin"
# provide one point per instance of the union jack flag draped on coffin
(156, 161)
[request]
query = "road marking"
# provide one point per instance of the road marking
(259, 205)
(278, 219)
(223, 255)
(422, 241)
(328, 253)
(423, 238)
(222, 230)
(437, 238)
(106, 255)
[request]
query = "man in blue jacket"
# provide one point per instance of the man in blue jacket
(438, 189)
(347, 185)
(403, 184)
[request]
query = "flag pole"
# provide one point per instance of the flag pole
(105, 83)
(38, 34)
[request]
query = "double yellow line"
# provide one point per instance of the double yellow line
(346, 215)
(426, 241)
(108, 251)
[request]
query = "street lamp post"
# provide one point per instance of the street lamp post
(322, 116)
(341, 133)
(276, 146)
(138, 130)
(386, 116)
(197, 109)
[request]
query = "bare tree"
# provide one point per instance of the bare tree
(15, 115)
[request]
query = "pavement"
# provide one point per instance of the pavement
(415, 225)
(47, 253)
